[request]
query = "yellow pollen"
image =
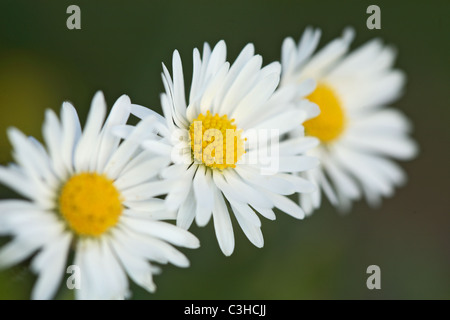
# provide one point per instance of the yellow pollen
(330, 123)
(209, 142)
(90, 203)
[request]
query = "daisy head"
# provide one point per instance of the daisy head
(84, 190)
(359, 134)
(222, 142)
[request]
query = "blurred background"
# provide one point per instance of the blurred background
(120, 49)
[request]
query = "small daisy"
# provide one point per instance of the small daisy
(212, 173)
(88, 191)
(358, 132)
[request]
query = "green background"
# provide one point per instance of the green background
(120, 49)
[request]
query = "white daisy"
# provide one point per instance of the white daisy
(215, 183)
(93, 193)
(358, 132)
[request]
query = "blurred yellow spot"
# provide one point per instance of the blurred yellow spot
(215, 141)
(330, 123)
(90, 203)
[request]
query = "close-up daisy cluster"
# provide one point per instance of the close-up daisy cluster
(121, 191)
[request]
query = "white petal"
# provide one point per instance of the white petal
(358, 59)
(237, 185)
(124, 152)
(266, 213)
(202, 71)
(272, 68)
(52, 133)
(344, 184)
(141, 245)
(122, 131)
(389, 120)
(269, 182)
(79, 295)
(141, 173)
(16, 251)
(119, 115)
(15, 205)
(180, 189)
(167, 108)
(29, 239)
(297, 145)
(140, 158)
(286, 205)
(146, 213)
(148, 190)
(244, 56)
(228, 190)
(222, 224)
(146, 205)
(388, 169)
(36, 165)
(203, 191)
(174, 171)
(399, 147)
(18, 182)
(178, 86)
(306, 87)
(45, 164)
(171, 102)
(246, 212)
(313, 176)
(308, 43)
(328, 55)
(253, 232)
(50, 264)
(115, 279)
(28, 222)
(241, 85)
(157, 147)
(282, 99)
(283, 122)
(357, 164)
(259, 95)
(79, 261)
(138, 269)
(327, 189)
(382, 91)
(155, 249)
(300, 184)
(71, 132)
(297, 163)
(143, 112)
(288, 57)
(164, 231)
(216, 59)
(305, 200)
(90, 135)
(194, 93)
(88, 253)
(207, 101)
(310, 109)
(187, 211)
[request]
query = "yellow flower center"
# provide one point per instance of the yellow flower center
(90, 203)
(215, 141)
(330, 123)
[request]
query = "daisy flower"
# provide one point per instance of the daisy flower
(88, 191)
(217, 165)
(360, 136)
